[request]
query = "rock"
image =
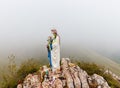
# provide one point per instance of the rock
(70, 76)
(32, 81)
(98, 81)
(58, 83)
(83, 77)
(75, 76)
(66, 73)
(45, 84)
(19, 86)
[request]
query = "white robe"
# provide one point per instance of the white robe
(55, 53)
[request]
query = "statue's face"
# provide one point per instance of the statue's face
(54, 34)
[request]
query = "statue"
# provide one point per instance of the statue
(53, 47)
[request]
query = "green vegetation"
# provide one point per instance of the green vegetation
(29, 66)
(92, 68)
(112, 82)
(13, 74)
(8, 75)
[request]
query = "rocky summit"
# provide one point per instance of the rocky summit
(69, 76)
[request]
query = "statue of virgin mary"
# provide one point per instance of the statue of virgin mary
(55, 52)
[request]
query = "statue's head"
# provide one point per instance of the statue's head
(54, 31)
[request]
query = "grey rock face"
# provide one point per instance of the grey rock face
(66, 73)
(70, 76)
(98, 81)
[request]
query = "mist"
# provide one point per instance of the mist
(26, 24)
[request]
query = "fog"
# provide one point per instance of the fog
(25, 25)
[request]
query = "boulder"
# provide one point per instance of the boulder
(32, 81)
(98, 81)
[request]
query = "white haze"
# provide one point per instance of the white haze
(25, 25)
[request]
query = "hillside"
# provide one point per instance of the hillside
(81, 54)
(70, 76)
(116, 59)
(32, 69)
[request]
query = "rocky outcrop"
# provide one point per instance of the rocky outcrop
(96, 81)
(116, 77)
(69, 76)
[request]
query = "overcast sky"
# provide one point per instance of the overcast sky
(25, 24)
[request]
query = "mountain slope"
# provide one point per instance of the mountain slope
(70, 76)
(93, 57)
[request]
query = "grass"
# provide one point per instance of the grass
(14, 73)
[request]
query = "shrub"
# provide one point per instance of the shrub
(12, 74)
(26, 67)
(91, 68)
(112, 82)
(9, 74)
